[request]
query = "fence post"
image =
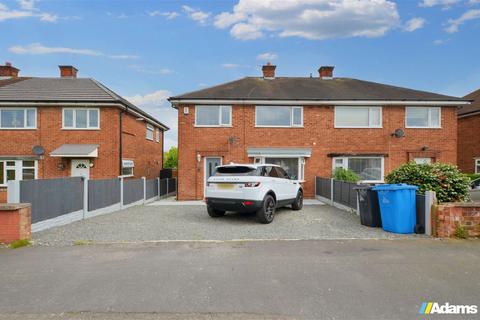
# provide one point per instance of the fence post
(429, 201)
(144, 181)
(85, 196)
(158, 187)
(166, 194)
(13, 191)
(121, 192)
(331, 191)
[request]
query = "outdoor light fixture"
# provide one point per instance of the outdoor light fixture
(399, 133)
(425, 148)
(199, 157)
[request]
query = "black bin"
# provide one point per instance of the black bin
(368, 205)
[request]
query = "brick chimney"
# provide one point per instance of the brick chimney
(269, 71)
(326, 72)
(68, 71)
(8, 70)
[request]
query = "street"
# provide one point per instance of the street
(307, 279)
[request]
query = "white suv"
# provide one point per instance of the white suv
(251, 188)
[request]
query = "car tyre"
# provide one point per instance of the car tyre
(298, 203)
(266, 213)
(214, 213)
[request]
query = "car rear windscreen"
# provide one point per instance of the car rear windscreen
(236, 171)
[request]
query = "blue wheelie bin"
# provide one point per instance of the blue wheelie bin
(397, 207)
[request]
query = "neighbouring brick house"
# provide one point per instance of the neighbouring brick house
(468, 137)
(69, 126)
(311, 125)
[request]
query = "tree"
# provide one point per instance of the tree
(170, 158)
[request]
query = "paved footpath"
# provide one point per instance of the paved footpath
(308, 279)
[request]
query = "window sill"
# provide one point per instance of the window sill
(281, 127)
(201, 126)
(423, 128)
(341, 127)
(18, 129)
(81, 129)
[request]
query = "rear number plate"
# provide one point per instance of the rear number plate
(225, 186)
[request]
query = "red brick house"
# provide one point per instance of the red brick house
(69, 126)
(311, 125)
(468, 137)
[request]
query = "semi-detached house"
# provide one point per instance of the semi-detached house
(310, 126)
(69, 126)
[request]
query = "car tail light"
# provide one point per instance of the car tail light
(251, 184)
(247, 203)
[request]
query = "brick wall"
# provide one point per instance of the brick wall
(318, 134)
(468, 143)
(450, 216)
(15, 222)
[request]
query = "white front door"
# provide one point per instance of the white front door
(80, 168)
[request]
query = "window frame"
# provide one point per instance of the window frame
(150, 128)
(18, 167)
(369, 126)
(345, 166)
(128, 164)
(220, 124)
(260, 160)
(25, 118)
(429, 116)
(75, 118)
(292, 125)
(157, 135)
(477, 165)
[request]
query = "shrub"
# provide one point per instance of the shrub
(461, 232)
(473, 176)
(345, 175)
(19, 243)
(446, 180)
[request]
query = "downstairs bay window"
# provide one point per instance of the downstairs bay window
(17, 170)
(369, 169)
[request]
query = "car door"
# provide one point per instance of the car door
(278, 183)
(289, 186)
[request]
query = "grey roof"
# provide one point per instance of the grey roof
(301, 88)
(74, 150)
(472, 108)
(305, 152)
(53, 90)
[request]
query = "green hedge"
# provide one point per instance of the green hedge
(345, 175)
(446, 180)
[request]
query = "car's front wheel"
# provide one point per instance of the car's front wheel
(266, 213)
(214, 213)
(298, 203)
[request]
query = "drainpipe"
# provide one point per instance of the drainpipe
(121, 143)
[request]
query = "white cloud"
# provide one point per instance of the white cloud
(454, 24)
(310, 19)
(156, 104)
(267, 56)
(38, 49)
(230, 65)
(26, 10)
(141, 69)
(196, 14)
(414, 24)
(439, 42)
(433, 3)
(168, 15)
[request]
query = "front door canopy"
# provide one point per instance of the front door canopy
(76, 151)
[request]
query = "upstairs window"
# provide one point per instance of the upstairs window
(358, 117)
(18, 118)
(213, 116)
(82, 119)
(422, 117)
(278, 116)
(157, 137)
(150, 130)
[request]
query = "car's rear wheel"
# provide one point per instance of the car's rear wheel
(298, 203)
(214, 213)
(266, 213)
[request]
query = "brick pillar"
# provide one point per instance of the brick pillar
(15, 222)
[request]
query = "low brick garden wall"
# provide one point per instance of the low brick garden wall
(451, 217)
(15, 222)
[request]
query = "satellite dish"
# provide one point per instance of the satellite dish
(38, 150)
(399, 133)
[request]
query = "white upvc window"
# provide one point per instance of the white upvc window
(81, 118)
(18, 118)
(369, 169)
(294, 166)
(213, 116)
(127, 168)
(477, 165)
(279, 116)
(17, 170)
(157, 135)
(423, 117)
(358, 117)
(150, 132)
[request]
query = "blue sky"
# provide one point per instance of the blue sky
(149, 50)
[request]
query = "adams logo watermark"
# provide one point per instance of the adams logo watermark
(447, 308)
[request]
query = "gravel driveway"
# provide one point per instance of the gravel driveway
(191, 222)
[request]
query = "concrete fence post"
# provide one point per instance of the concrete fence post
(85, 196)
(158, 187)
(13, 191)
(167, 188)
(331, 191)
(144, 183)
(430, 199)
(121, 192)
